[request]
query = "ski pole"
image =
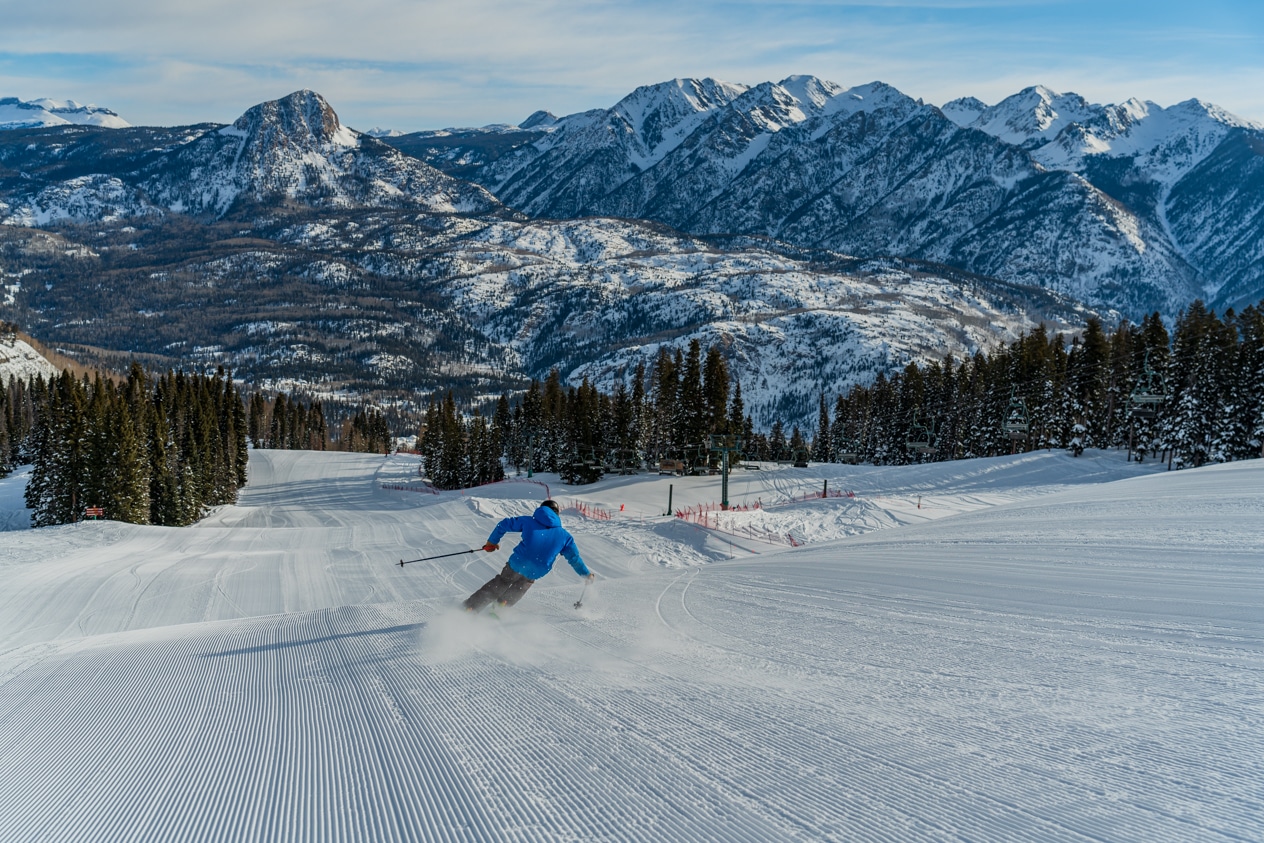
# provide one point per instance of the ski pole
(580, 601)
(402, 563)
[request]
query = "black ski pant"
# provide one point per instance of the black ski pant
(507, 588)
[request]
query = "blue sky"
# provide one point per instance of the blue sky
(415, 64)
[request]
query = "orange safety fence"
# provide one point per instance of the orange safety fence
(431, 490)
(816, 496)
(589, 511)
(709, 517)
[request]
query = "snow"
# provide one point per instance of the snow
(18, 360)
(1063, 130)
(1048, 649)
(16, 114)
(13, 512)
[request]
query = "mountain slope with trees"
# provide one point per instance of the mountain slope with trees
(1133, 207)
(1190, 398)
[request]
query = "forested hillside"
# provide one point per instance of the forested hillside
(1194, 397)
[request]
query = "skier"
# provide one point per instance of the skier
(543, 539)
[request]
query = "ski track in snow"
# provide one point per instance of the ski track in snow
(1030, 648)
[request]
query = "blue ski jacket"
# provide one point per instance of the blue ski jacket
(543, 538)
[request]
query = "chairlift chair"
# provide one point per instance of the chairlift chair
(698, 459)
(625, 461)
(1149, 393)
(1016, 423)
(585, 467)
(919, 438)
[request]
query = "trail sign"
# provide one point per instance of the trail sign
(94, 512)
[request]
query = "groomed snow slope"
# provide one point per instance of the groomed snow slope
(1075, 654)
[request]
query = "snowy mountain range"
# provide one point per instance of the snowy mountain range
(288, 150)
(1132, 206)
(304, 254)
(38, 113)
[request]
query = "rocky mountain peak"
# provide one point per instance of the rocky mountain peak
(810, 90)
(304, 118)
(539, 119)
(1035, 115)
(964, 110)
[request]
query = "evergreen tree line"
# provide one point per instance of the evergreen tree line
(1206, 380)
(288, 423)
(147, 450)
(1209, 375)
(670, 412)
(459, 452)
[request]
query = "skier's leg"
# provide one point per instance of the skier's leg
(513, 593)
(491, 590)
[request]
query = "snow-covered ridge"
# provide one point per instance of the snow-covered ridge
(1062, 130)
(17, 114)
(294, 148)
(598, 297)
(20, 361)
(870, 171)
(1132, 207)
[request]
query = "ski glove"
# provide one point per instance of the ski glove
(489, 547)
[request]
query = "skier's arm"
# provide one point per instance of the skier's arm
(507, 525)
(571, 554)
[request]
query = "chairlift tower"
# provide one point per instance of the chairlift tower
(1144, 401)
(725, 444)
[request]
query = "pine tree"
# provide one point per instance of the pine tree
(691, 405)
(1250, 371)
(55, 491)
(822, 450)
(164, 490)
(1088, 373)
(127, 496)
(666, 393)
(1199, 348)
(451, 461)
(778, 448)
(641, 413)
(258, 420)
(797, 446)
(715, 392)
(737, 412)
(841, 440)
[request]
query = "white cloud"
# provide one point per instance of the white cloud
(424, 64)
